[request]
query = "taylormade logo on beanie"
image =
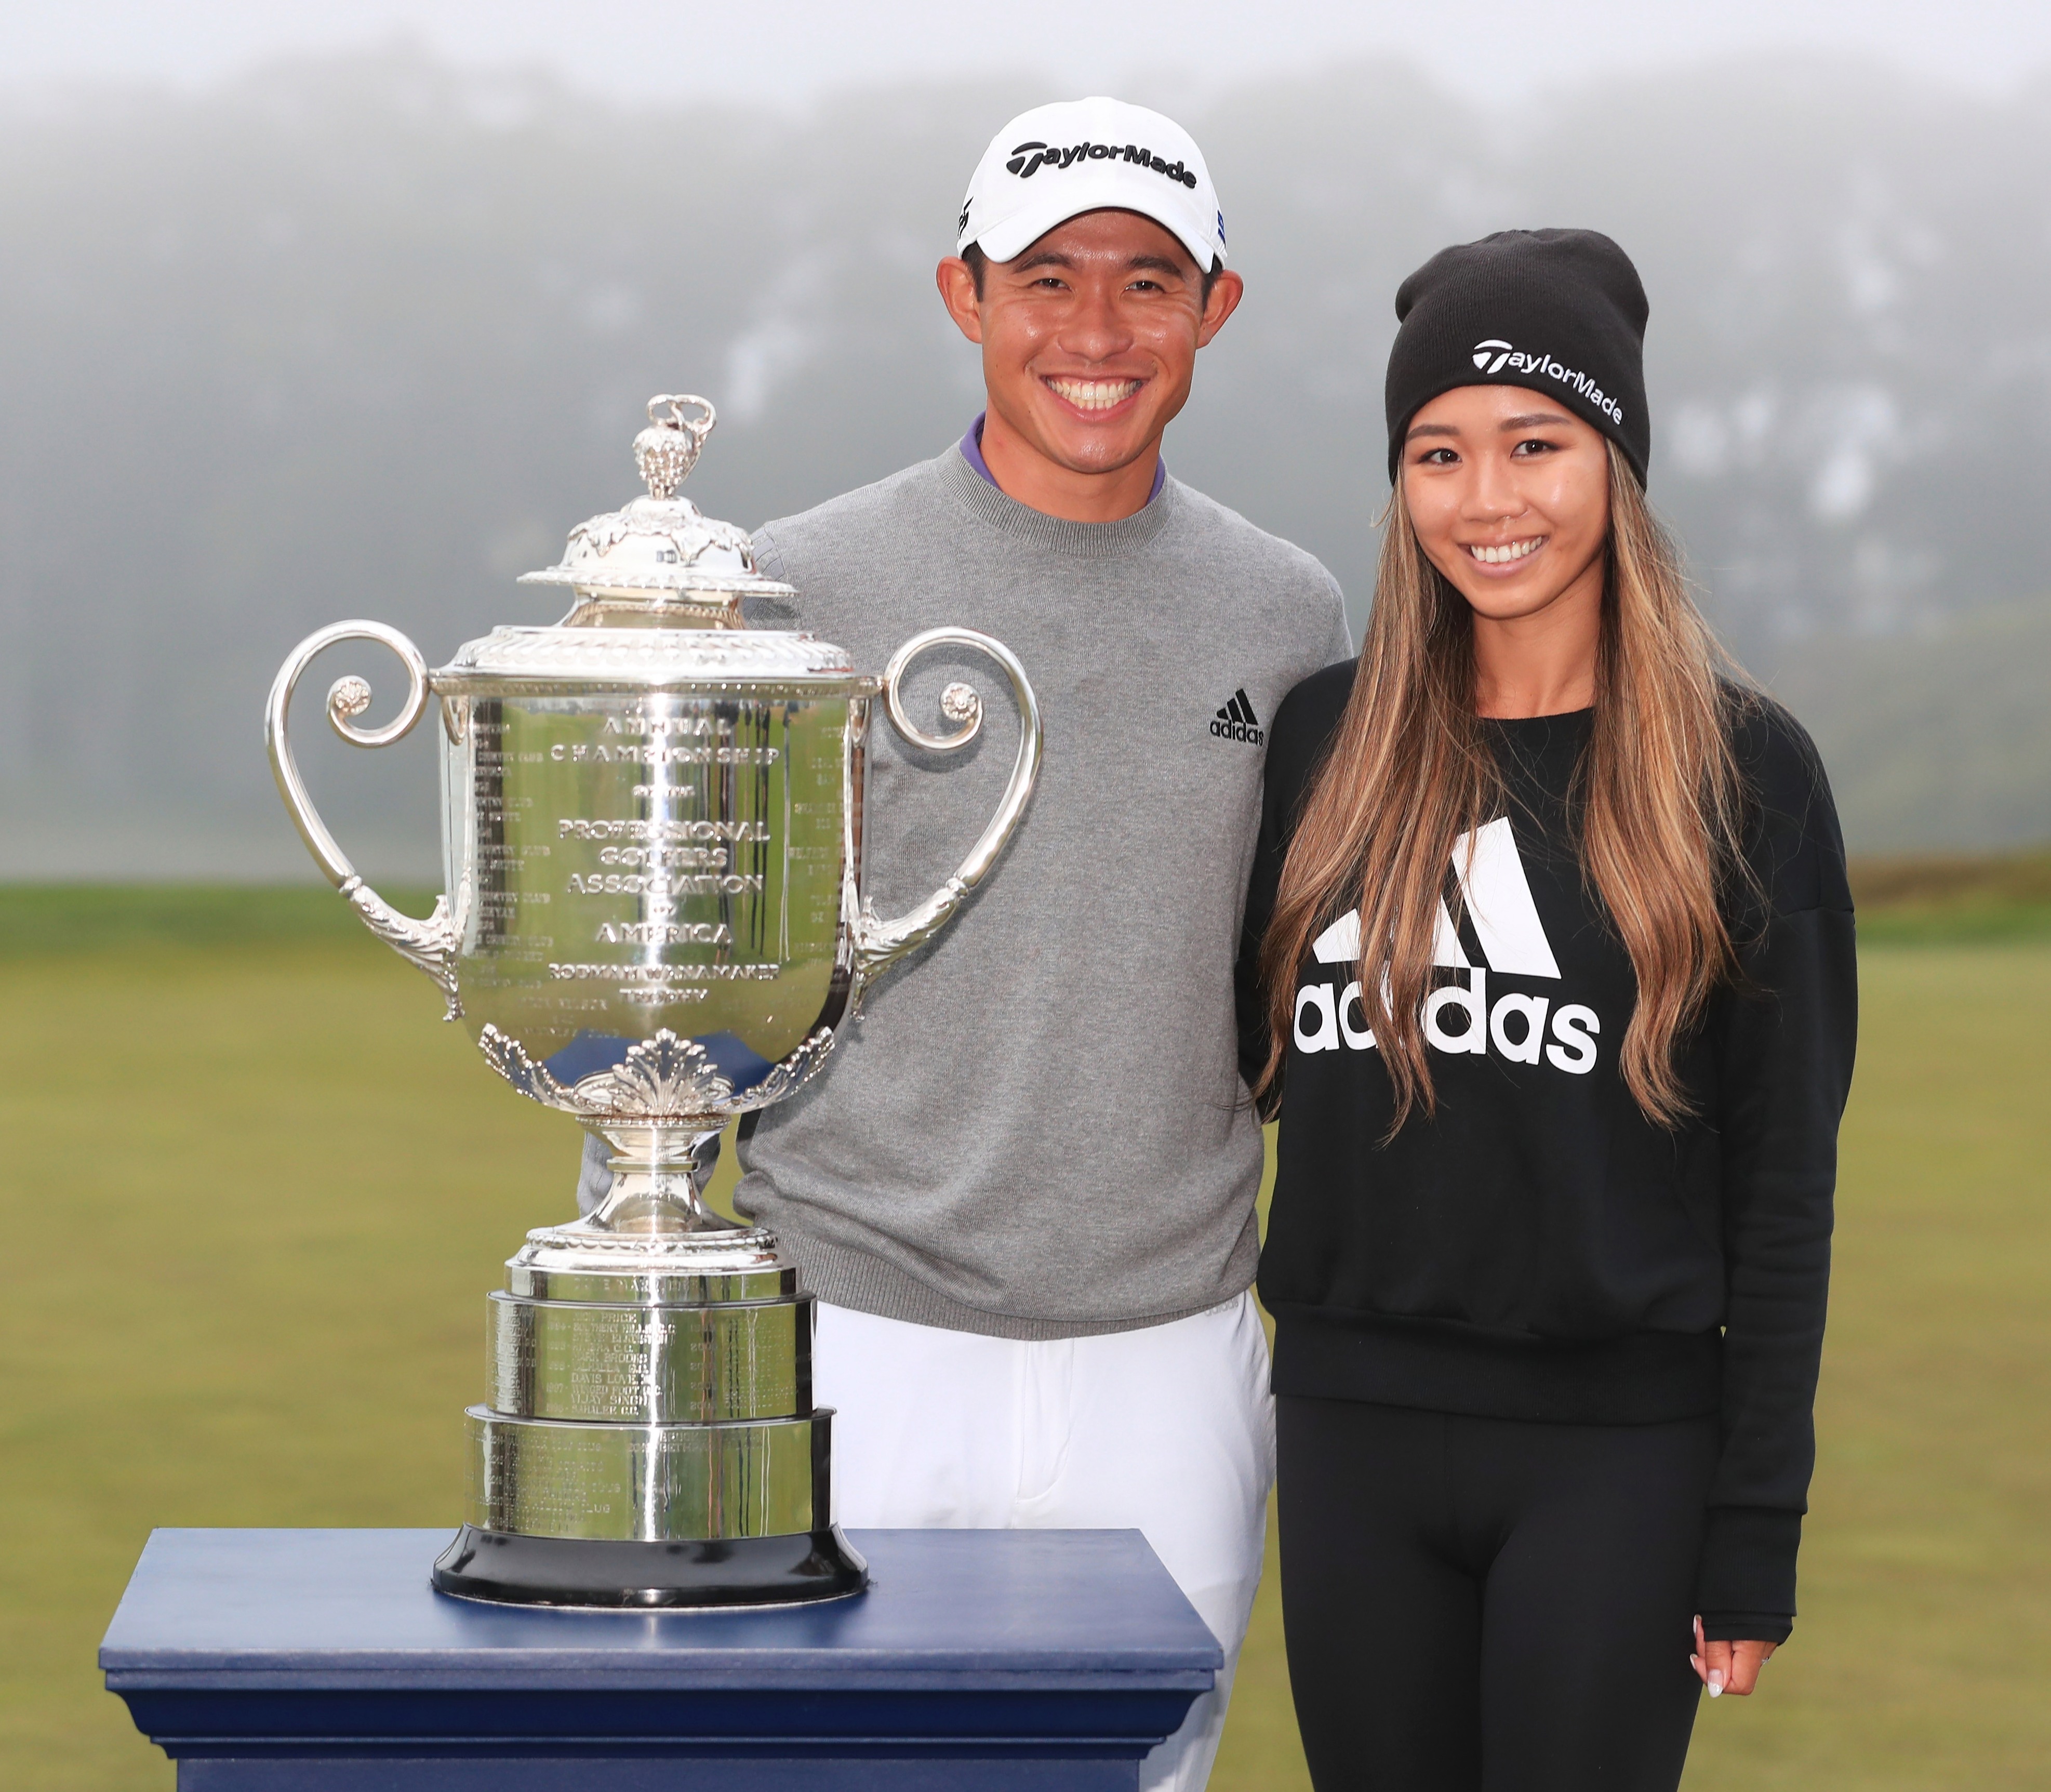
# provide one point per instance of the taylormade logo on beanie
(1492, 363)
(1057, 162)
(1471, 314)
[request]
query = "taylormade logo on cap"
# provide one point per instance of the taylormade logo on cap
(1493, 354)
(1057, 162)
(1027, 159)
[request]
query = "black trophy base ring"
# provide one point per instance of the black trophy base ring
(599, 1574)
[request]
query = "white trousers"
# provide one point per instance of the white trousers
(1169, 1430)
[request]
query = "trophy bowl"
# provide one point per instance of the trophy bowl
(652, 920)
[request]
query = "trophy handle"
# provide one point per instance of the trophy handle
(432, 944)
(879, 944)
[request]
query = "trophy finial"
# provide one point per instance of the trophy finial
(659, 554)
(669, 447)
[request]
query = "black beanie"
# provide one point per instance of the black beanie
(1560, 311)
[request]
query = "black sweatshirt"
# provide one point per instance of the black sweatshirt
(1538, 1250)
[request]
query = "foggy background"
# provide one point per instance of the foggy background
(319, 312)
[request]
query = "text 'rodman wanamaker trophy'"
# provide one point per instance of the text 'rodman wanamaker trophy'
(652, 820)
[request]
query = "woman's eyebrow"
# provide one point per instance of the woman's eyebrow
(1429, 429)
(1536, 419)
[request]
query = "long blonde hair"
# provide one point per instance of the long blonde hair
(1657, 798)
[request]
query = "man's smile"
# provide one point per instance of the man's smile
(1091, 394)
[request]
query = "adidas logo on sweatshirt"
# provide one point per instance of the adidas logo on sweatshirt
(1496, 896)
(1236, 720)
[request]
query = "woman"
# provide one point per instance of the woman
(1555, 969)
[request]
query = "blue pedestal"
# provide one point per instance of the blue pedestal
(323, 1661)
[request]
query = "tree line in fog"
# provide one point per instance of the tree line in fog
(365, 336)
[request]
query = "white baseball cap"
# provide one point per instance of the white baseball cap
(1056, 162)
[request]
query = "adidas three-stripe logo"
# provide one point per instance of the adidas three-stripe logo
(1496, 895)
(1236, 720)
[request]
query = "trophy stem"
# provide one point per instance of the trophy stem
(658, 1176)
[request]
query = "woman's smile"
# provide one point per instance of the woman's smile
(1504, 554)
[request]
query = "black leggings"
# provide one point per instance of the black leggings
(1486, 1605)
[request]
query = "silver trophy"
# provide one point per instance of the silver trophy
(653, 920)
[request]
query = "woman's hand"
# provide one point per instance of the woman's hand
(1728, 1667)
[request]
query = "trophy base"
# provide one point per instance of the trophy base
(605, 1574)
(651, 1442)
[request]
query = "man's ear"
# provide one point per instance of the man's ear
(957, 286)
(1227, 289)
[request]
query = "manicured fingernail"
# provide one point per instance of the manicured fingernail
(1716, 1683)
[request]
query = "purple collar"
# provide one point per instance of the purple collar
(971, 450)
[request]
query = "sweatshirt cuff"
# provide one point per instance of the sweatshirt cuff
(1746, 1626)
(1748, 1564)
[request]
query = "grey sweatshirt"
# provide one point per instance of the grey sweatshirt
(1037, 1128)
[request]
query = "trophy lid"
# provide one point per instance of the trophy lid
(662, 548)
(659, 587)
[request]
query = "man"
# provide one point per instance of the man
(1024, 1189)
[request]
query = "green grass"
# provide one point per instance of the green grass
(39, 919)
(255, 1192)
(1952, 899)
